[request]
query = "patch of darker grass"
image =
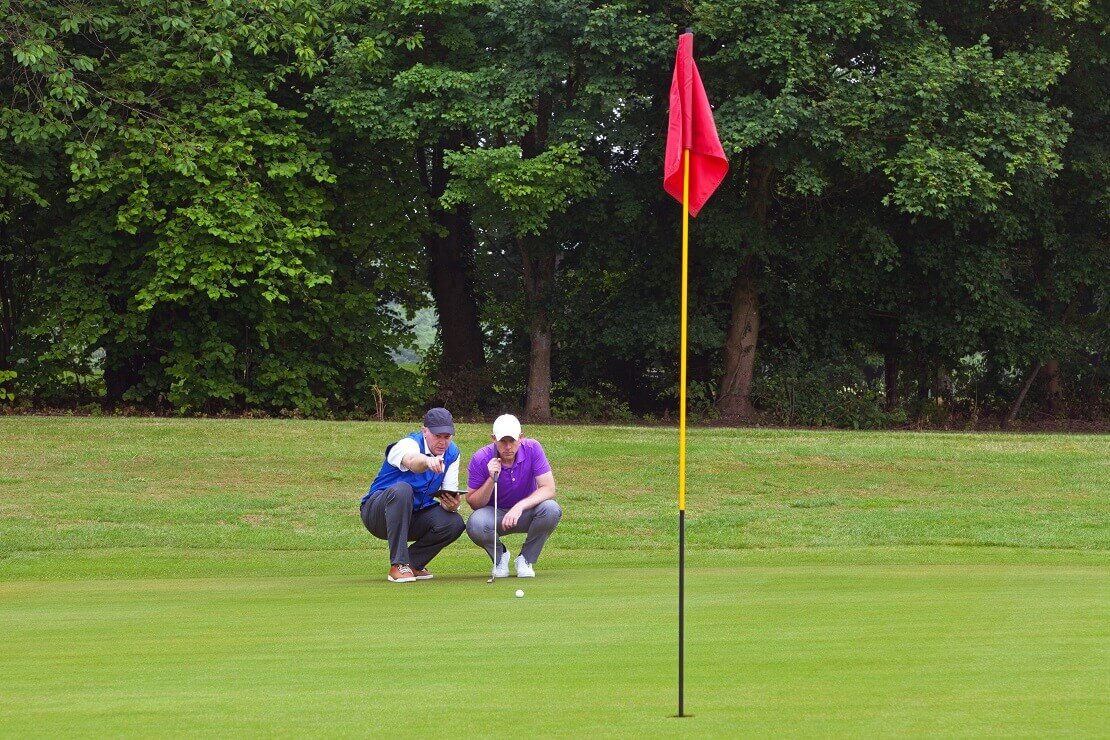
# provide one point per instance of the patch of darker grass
(814, 503)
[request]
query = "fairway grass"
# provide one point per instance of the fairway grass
(212, 577)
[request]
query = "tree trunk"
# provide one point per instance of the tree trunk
(743, 333)
(453, 290)
(7, 314)
(734, 400)
(890, 379)
(539, 265)
(461, 380)
(537, 405)
(942, 384)
(1021, 396)
(1053, 394)
(890, 364)
(122, 372)
(124, 360)
(539, 289)
(7, 293)
(924, 386)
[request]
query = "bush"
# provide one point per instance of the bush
(831, 396)
(405, 391)
(701, 399)
(5, 393)
(601, 402)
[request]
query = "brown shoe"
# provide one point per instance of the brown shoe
(422, 574)
(401, 574)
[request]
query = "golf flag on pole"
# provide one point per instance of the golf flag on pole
(694, 166)
(691, 128)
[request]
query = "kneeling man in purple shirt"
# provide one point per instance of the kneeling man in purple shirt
(525, 497)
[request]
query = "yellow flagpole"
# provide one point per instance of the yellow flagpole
(682, 437)
(682, 340)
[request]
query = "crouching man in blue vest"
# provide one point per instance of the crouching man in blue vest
(415, 498)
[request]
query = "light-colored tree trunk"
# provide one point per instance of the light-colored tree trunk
(538, 403)
(743, 334)
(539, 287)
(1021, 396)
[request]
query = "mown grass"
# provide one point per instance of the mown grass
(99, 483)
(202, 577)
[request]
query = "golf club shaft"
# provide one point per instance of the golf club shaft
(496, 536)
(496, 528)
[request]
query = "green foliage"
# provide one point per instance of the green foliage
(230, 207)
(525, 193)
(980, 125)
(600, 402)
(200, 257)
(829, 396)
(6, 376)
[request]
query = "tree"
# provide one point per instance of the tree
(904, 95)
(411, 80)
(46, 66)
(567, 74)
(196, 248)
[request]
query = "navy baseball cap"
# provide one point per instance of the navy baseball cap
(439, 421)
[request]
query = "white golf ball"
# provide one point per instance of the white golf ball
(520, 593)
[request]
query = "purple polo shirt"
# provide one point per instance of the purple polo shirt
(516, 483)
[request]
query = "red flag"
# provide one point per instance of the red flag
(691, 127)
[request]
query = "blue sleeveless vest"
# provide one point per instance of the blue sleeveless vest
(423, 484)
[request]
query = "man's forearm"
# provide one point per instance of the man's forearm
(538, 496)
(480, 496)
(417, 463)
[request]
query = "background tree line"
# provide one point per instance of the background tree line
(239, 205)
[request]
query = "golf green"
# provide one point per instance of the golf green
(789, 648)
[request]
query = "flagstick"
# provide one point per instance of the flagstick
(682, 429)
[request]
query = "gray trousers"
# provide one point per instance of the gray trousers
(388, 515)
(538, 523)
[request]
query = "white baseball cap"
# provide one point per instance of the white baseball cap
(506, 425)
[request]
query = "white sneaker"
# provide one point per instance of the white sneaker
(501, 570)
(523, 568)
